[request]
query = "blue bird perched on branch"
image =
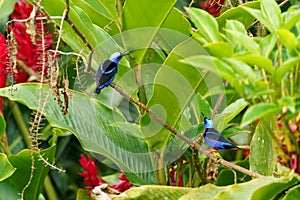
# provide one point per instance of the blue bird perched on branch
(107, 71)
(213, 138)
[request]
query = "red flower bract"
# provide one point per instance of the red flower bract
(3, 66)
(123, 185)
(91, 176)
(90, 172)
(31, 54)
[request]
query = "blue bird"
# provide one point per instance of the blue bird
(107, 71)
(213, 138)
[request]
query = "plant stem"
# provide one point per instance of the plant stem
(4, 144)
(193, 144)
(49, 189)
(159, 172)
(20, 122)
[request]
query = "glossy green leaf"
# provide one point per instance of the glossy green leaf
(259, 92)
(94, 34)
(289, 103)
(2, 125)
(219, 49)
(258, 111)
(258, 61)
(135, 17)
(242, 69)
(102, 13)
(153, 192)
(257, 14)
(287, 38)
(216, 66)
(22, 162)
(90, 121)
(271, 11)
(228, 176)
(292, 193)
(247, 42)
(286, 67)
(8, 191)
(292, 17)
(146, 23)
(212, 64)
(260, 188)
(267, 44)
(236, 26)
(171, 95)
(206, 24)
(6, 169)
(206, 192)
(231, 111)
(83, 195)
(273, 190)
(6, 8)
(238, 13)
(177, 22)
(262, 147)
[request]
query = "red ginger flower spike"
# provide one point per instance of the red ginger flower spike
(90, 172)
(123, 185)
(31, 54)
(3, 67)
(91, 176)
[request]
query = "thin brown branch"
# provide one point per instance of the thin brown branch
(151, 113)
(191, 3)
(193, 144)
(67, 19)
(218, 103)
(89, 64)
(283, 3)
(195, 154)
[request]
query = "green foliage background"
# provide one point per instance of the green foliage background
(177, 66)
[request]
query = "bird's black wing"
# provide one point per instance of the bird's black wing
(105, 74)
(108, 66)
(213, 134)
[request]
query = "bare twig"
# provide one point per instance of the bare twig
(87, 70)
(144, 107)
(191, 3)
(218, 103)
(283, 3)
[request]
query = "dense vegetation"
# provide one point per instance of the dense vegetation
(237, 62)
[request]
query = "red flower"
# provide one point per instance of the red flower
(174, 176)
(212, 6)
(91, 176)
(31, 54)
(90, 172)
(3, 66)
(123, 185)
